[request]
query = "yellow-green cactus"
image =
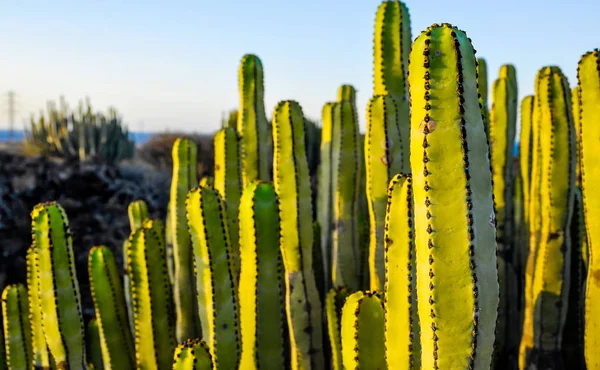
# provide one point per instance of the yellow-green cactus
(216, 282)
(262, 287)
(62, 318)
(362, 332)
(94, 348)
(525, 148)
(292, 184)
(333, 313)
(116, 340)
(193, 354)
(15, 310)
(402, 330)
(40, 353)
(455, 237)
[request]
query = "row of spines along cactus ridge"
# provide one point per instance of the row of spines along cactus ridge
(427, 245)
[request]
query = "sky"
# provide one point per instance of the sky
(172, 65)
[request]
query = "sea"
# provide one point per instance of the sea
(5, 135)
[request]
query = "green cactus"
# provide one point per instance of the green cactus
(292, 185)
(3, 365)
(59, 290)
(15, 310)
(153, 308)
(345, 166)
(482, 80)
(364, 224)
(94, 346)
(115, 335)
(207, 181)
(333, 313)
(216, 282)
(261, 289)
(588, 74)
(346, 93)
(525, 148)
(228, 182)
(255, 135)
(454, 210)
(184, 178)
(402, 331)
(384, 159)
(575, 109)
(193, 355)
(40, 354)
(362, 332)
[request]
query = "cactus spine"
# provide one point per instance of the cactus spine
(333, 311)
(363, 332)
(384, 159)
(261, 290)
(454, 210)
(15, 310)
(94, 348)
(116, 340)
(588, 74)
(228, 183)
(292, 185)
(402, 331)
(253, 127)
(216, 282)
(59, 290)
(40, 354)
(184, 178)
(154, 313)
(193, 355)
(345, 164)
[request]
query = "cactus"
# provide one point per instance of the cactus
(345, 164)
(94, 347)
(15, 310)
(261, 289)
(333, 313)
(193, 355)
(588, 74)
(228, 182)
(3, 365)
(115, 335)
(59, 290)
(40, 354)
(303, 304)
(184, 178)
(454, 211)
(216, 282)
(384, 159)
(207, 181)
(525, 148)
(253, 127)
(154, 312)
(402, 331)
(363, 332)
(482, 80)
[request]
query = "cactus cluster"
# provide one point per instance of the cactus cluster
(428, 243)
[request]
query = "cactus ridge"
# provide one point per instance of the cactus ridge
(333, 311)
(15, 310)
(193, 354)
(40, 354)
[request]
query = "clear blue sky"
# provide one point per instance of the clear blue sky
(174, 64)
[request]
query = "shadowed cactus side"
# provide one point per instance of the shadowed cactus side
(453, 206)
(482, 80)
(402, 330)
(525, 156)
(362, 332)
(93, 346)
(193, 355)
(334, 302)
(59, 290)
(261, 289)
(292, 185)
(39, 348)
(216, 282)
(15, 311)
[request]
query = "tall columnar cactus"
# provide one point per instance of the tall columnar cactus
(93, 346)
(346, 93)
(15, 310)
(525, 148)
(402, 330)
(588, 74)
(228, 182)
(325, 189)
(292, 185)
(253, 126)
(3, 365)
(193, 354)
(261, 289)
(384, 159)
(62, 318)
(345, 168)
(216, 282)
(482, 80)
(154, 312)
(454, 211)
(550, 287)
(333, 313)
(575, 109)
(362, 332)
(184, 178)
(111, 314)
(39, 349)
